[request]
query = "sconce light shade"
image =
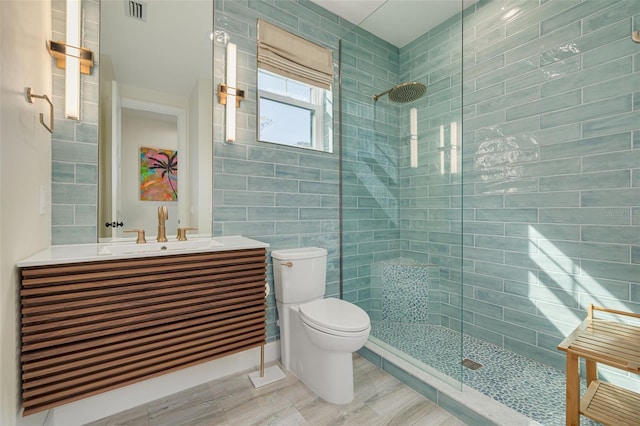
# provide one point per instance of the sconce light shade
(441, 148)
(72, 58)
(454, 147)
(413, 137)
(229, 95)
(72, 72)
(231, 82)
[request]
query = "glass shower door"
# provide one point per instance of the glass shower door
(401, 187)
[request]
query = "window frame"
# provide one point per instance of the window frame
(316, 107)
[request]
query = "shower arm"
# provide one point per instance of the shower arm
(376, 97)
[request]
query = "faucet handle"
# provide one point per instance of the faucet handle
(182, 233)
(140, 239)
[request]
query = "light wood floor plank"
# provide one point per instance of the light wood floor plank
(380, 399)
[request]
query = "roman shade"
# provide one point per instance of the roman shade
(291, 56)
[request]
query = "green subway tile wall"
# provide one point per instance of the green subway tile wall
(74, 144)
(370, 170)
(430, 213)
(287, 197)
(558, 189)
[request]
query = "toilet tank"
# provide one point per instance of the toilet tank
(299, 274)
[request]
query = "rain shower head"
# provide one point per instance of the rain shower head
(404, 92)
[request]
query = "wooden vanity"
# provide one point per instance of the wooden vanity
(92, 326)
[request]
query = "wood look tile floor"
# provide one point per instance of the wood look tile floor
(380, 399)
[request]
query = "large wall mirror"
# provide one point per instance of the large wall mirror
(155, 127)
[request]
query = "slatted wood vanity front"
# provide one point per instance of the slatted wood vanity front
(95, 326)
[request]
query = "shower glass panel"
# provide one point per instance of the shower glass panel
(401, 187)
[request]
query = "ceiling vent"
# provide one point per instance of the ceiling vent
(136, 9)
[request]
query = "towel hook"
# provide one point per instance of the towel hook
(30, 97)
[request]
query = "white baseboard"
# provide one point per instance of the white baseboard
(115, 401)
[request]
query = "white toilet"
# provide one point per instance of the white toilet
(317, 336)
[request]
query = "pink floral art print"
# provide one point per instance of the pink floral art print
(158, 174)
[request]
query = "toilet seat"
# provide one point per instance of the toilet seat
(335, 316)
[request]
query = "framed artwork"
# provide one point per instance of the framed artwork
(158, 174)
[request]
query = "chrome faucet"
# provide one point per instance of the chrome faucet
(163, 215)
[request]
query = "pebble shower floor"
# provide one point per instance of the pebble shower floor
(529, 387)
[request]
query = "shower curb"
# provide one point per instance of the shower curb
(469, 405)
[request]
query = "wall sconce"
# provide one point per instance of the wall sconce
(441, 149)
(413, 137)
(452, 148)
(229, 95)
(73, 59)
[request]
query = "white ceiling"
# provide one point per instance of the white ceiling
(396, 21)
(169, 59)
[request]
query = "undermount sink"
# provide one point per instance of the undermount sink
(127, 248)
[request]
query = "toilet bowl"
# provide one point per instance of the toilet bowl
(317, 335)
(334, 324)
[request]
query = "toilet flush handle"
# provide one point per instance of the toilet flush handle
(289, 264)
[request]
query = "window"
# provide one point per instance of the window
(291, 112)
(294, 90)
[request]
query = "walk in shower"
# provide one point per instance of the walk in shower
(480, 219)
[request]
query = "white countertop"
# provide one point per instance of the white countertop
(72, 253)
